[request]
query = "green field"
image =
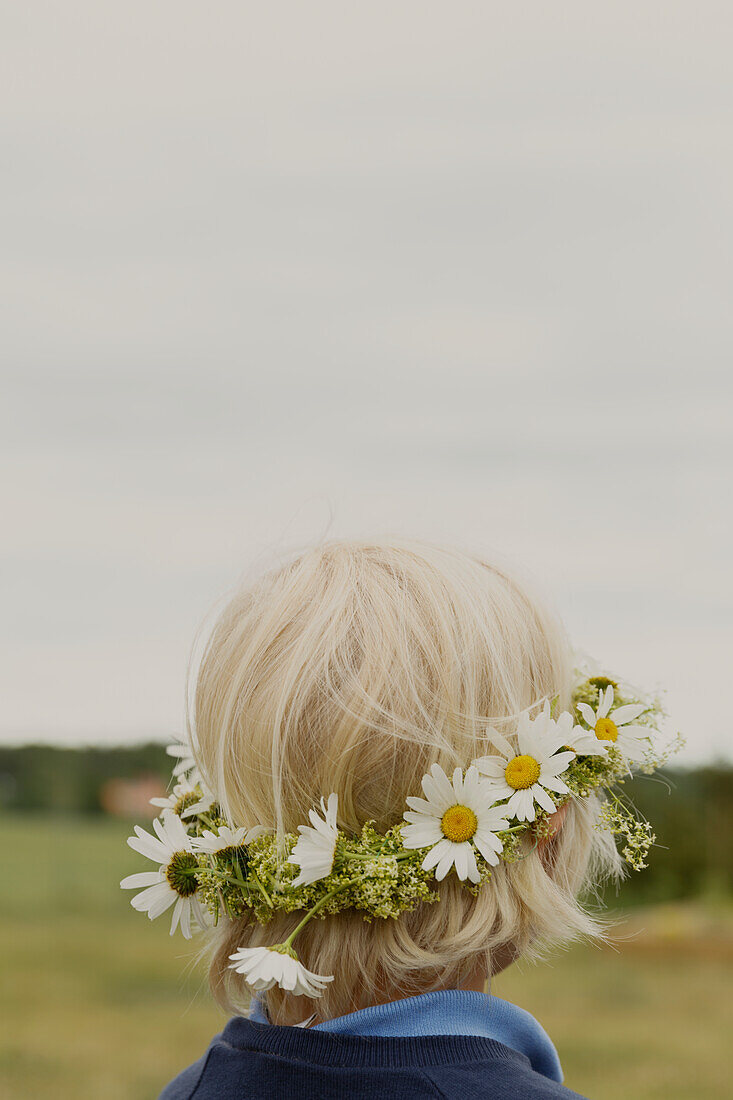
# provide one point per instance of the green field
(100, 1004)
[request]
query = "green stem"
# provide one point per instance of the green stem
(243, 884)
(319, 905)
(264, 893)
(224, 876)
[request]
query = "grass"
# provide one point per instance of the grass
(100, 1003)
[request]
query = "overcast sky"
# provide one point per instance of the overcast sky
(276, 271)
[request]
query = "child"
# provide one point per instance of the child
(419, 707)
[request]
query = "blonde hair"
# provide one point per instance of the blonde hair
(352, 668)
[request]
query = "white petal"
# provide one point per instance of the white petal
(627, 713)
(559, 763)
(565, 724)
(446, 863)
(288, 975)
(421, 805)
(490, 839)
(186, 918)
(475, 792)
(631, 748)
(307, 877)
(149, 847)
(493, 820)
(486, 849)
(306, 982)
(438, 788)
(500, 742)
(526, 743)
(460, 859)
(422, 835)
(542, 798)
(177, 910)
(142, 878)
(155, 900)
(472, 777)
(589, 714)
(419, 818)
(176, 834)
(199, 807)
(500, 791)
(243, 957)
(436, 854)
(202, 915)
(332, 809)
(513, 806)
(472, 866)
(493, 766)
(159, 828)
(524, 803)
(552, 783)
(587, 744)
(637, 732)
(605, 702)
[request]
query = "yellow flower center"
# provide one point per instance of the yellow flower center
(522, 772)
(459, 823)
(606, 729)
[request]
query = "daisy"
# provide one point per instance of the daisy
(206, 800)
(214, 843)
(525, 777)
(315, 849)
(264, 967)
(616, 726)
(180, 801)
(186, 765)
(204, 804)
(575, 737)
(174, 883)
(451, 820)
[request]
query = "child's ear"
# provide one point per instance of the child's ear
(555, 822)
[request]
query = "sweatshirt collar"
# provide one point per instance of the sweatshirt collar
(447, 1012)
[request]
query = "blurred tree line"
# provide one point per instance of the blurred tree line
(691, 810)
(71, 781)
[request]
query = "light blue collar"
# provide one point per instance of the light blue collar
(448, 1012)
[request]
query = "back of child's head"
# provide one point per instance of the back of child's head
(352, 668)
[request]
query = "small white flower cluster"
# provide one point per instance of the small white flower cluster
(461, 820)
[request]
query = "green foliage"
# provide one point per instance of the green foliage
(61, 780)
(692, 815)
(371, 872)
(691, 811)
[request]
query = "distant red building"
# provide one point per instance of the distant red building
(131, 797)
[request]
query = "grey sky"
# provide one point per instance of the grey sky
(455, 271)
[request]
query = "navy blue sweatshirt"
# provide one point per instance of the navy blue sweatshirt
(382, 1053)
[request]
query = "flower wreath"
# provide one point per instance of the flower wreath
(467, 822)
